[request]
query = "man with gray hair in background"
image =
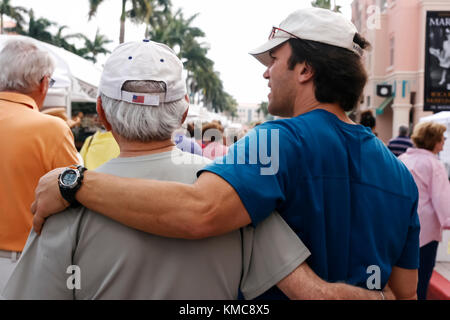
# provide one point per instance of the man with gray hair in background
(399, 145)
(142, 100)
(31, 143)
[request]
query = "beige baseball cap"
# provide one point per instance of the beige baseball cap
(143, 60)
(314, 24)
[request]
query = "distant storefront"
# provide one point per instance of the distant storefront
(407, 61)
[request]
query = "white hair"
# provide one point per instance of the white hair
(23, 65)
(144, 123)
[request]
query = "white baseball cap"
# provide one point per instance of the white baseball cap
(314, 24)
(143, 60)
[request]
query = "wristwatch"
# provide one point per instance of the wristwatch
(69, 182)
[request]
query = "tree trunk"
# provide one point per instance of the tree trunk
(148, 14)
(122, 23)
(122, 31)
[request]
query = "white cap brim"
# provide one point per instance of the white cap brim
(262, 53)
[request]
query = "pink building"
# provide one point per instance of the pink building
(396, 30)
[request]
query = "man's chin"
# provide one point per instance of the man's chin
(278, 112)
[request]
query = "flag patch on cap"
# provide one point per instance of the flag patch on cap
(138, 99)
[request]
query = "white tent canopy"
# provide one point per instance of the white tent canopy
(199, 113)
(77, 79)
(441, 117)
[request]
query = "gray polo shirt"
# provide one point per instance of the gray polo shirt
(84, 255)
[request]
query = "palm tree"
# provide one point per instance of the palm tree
(37, 28)
(202, 81)
(93, 48)
(177, 32)
(60, 40)
(263, 107)
(326, 4)
(150, 12)
(13, 12)
(174, 30)
(142, 11)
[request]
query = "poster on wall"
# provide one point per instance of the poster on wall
(437, 61)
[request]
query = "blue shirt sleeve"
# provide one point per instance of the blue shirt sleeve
(259, 168)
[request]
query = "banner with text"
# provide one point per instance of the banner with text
(437, 61)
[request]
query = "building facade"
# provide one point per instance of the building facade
(247, 113)
(397, 31)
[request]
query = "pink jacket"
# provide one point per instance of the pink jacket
(431, 179)
(214, 150)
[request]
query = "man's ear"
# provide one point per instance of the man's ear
(101, 114)
(43, 85)
(306, 72)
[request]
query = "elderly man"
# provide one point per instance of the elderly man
(143, 101)
(399, 145)
(31, 143)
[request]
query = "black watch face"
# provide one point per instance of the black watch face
(69, 178)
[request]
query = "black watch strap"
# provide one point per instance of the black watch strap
(69, 193)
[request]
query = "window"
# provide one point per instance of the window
(391, 51)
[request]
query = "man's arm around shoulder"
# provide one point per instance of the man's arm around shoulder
(304, 284)
(210, 206)
(403, 283)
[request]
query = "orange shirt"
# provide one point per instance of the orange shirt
(31, 144)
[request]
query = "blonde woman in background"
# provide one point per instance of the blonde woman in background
(432, 181)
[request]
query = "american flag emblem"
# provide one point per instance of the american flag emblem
(138, 99)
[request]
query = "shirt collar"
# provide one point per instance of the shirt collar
(421, 151)
(19, 98)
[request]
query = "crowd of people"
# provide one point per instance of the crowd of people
(309, 206)
(212, 143)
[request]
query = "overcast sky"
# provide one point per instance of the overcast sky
(232, 27)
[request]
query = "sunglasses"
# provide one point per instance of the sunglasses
(275, 30)
(51, 81)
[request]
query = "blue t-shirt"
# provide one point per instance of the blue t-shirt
(348, 198)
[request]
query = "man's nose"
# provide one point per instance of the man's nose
(266, 73)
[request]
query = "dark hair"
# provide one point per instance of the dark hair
(190, 128)
(361, 42)
(339, 75)
(367, 119)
